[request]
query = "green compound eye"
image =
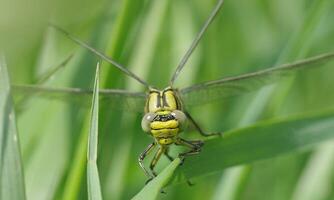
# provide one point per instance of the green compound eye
(146, 121)
(180, 117)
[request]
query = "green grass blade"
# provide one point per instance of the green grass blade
(316, 178)
(76, 172)
(261, 141)
(233, 183)
(11, 174)
(93, 180)
(153, 188)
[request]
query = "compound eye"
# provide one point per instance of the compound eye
(180, 117)
(146, 121)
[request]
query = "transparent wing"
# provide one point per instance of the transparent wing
(117, 99)
(232, 86)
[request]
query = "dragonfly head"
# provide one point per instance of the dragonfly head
(165, 124)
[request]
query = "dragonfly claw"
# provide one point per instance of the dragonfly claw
(149, 180)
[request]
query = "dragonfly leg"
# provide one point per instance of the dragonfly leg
(195, 147)
(199, 129)
(154, 161)
(156, 158)
(170, 158)
(161, 150)
(142, 157)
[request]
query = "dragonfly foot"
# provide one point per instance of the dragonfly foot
(190, 184)
(219, 134)
(182, 160)
(149, 180)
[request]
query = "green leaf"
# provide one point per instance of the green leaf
(260, 141)
(11, 174)
(154, 187)
(93, 180)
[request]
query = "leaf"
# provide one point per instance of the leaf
(93, 180)
(11, 174)
(260, 141)
(154, 187)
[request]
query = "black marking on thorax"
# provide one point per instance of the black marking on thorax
(162, 96)
(161, 99)
(164, 100)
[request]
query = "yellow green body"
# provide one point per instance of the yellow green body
(164, 127)
(164, 119)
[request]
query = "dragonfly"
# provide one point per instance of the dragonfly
(165, 111)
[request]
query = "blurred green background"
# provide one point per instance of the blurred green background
(149, 37)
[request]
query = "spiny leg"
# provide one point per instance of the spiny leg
(142, 157)
(156, 158)
(199, 143)
(195, 148)
(154, 161)
(199, 129)
(170, 158)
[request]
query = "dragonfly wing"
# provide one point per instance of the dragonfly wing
(232, 86)
(117, 99)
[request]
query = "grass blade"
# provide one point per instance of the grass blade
(11, 173)
(153, 188)
(93, 180)
(261, 141)
(317, 185)
(233, 183)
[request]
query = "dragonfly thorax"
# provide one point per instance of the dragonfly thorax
(160, 100)
(164, 119)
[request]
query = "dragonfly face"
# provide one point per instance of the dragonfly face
(164, 118)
